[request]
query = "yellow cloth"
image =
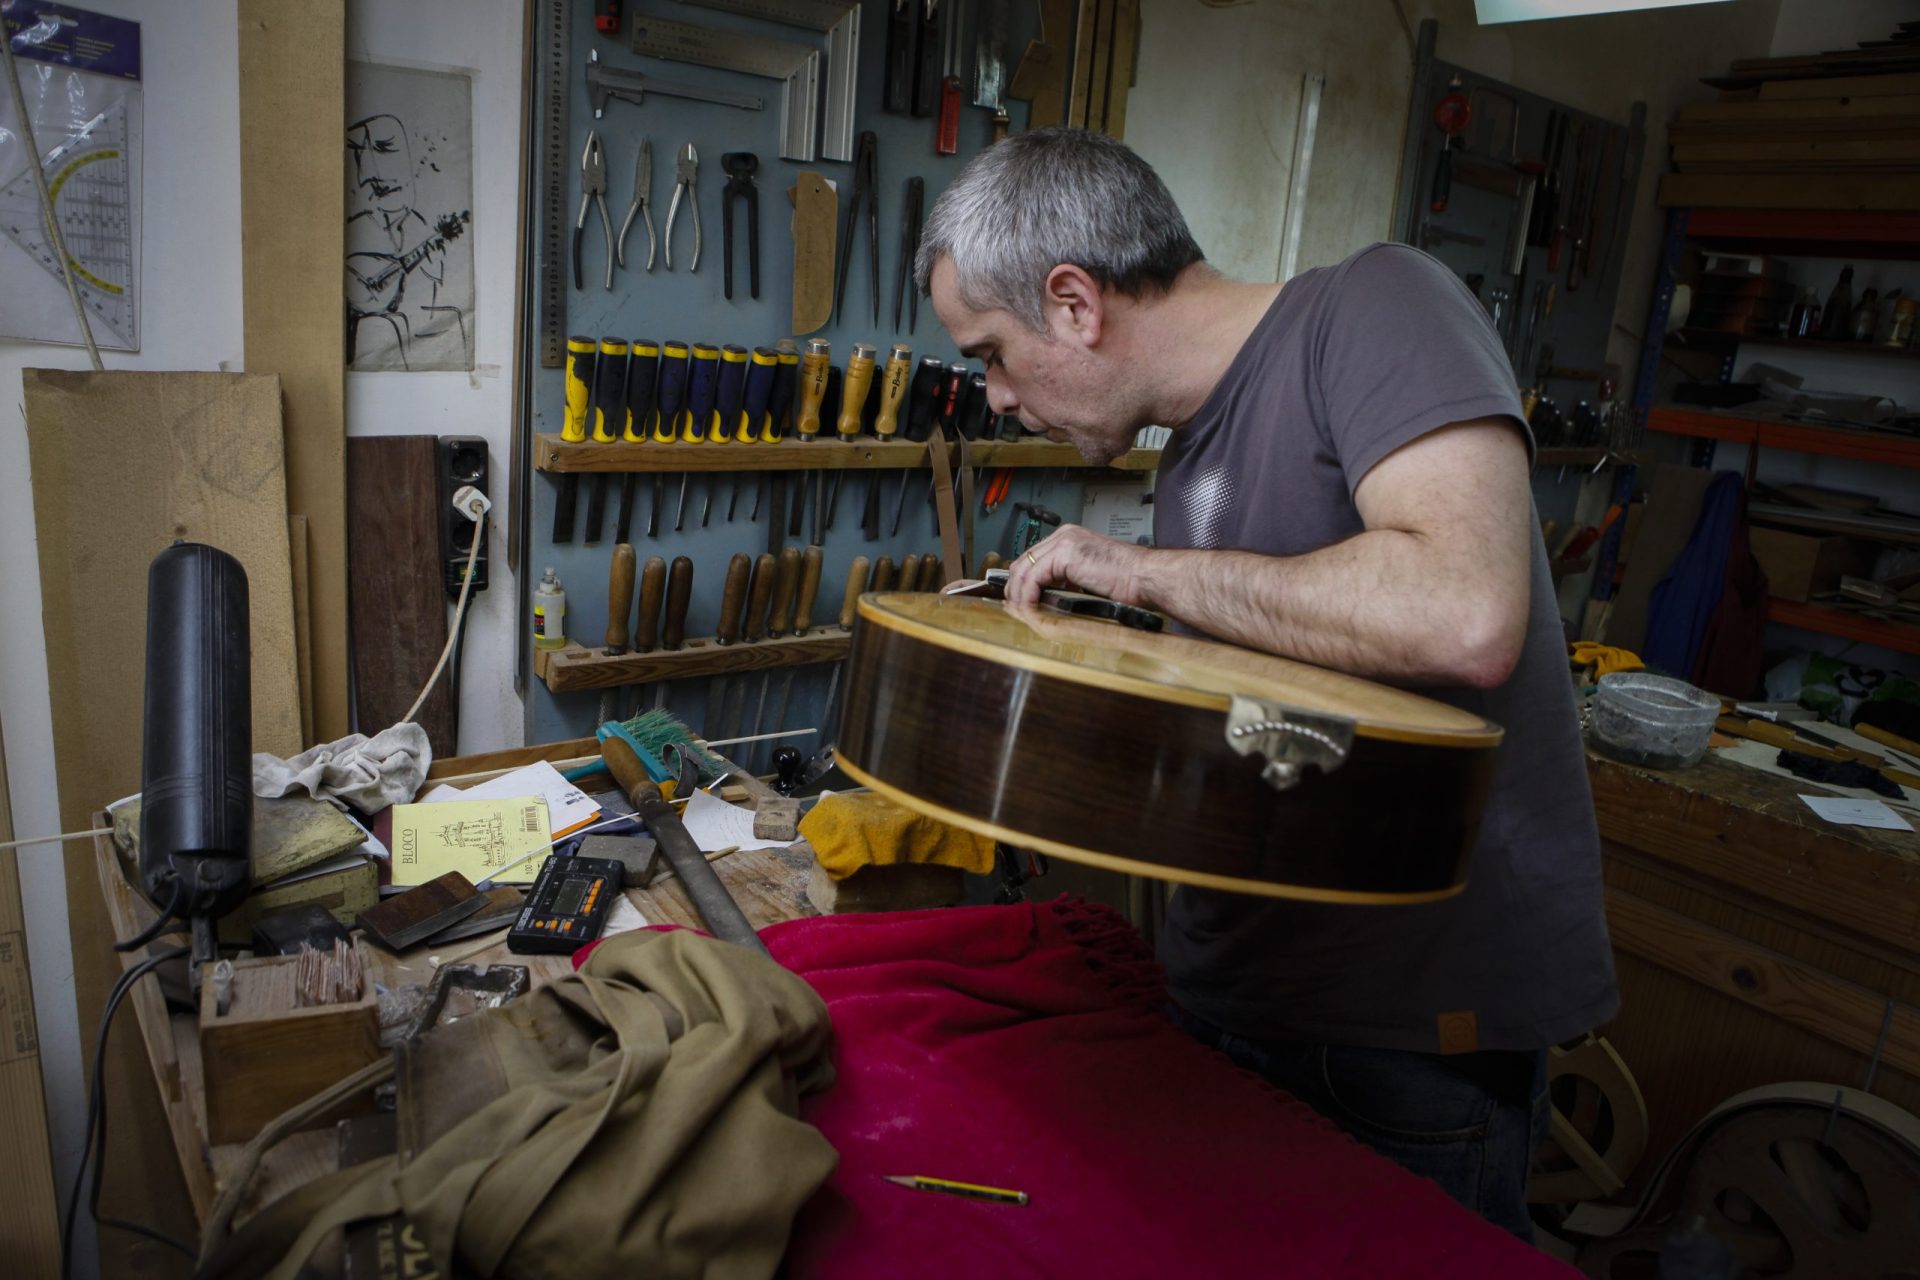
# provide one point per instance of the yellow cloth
(863, 828)
(1604, 658)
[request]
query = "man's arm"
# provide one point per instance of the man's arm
(1434, 591)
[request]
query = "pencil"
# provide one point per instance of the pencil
(999, 1195)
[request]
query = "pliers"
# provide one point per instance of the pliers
(864, 164)
(593, 191)
(641, 206)
(686, 168)
(903, 285)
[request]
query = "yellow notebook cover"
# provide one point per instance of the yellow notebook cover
(474, 837)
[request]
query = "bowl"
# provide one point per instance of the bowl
(1652, 720)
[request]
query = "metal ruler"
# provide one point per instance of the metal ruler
(841, 22)
(551, 67)
(796, 65)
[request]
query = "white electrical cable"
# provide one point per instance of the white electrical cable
(46, 201)
(459, 609)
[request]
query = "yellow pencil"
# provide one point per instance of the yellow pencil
(999, 1195)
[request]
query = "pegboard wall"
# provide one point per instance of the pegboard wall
(684, 305)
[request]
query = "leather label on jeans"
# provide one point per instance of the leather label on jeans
(1459, 1032)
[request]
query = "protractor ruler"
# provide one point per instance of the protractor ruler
(815, 15)
(841, 22)
(797, 66)
(90, 178)
(551, 67)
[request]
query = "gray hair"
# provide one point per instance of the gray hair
(1050, 196)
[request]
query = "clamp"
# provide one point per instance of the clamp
(903, 282)
(686, 168)
(740, 166)
(593, 191)
(864, 164)
(641, 206)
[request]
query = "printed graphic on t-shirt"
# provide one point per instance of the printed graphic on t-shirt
(1210, 500)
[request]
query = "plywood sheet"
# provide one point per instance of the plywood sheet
(398, 600)
(123, 464)
(28, 1217)
(292, 244)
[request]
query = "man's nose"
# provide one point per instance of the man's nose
(1000, 396)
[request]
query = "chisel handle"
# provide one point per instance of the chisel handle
(673, 390)
(953, 387)
(730, 404)
(581, 353)
(653, 586)
(882, 574)
(923, 397)
(809, 588)
(991, 560)
(610, 391)
(893, 390)
(853, 391)
(930, 572)
(786, 379)
(733, 597)
(679, 591)
(643, 376)
(813, 386)
(760, 598)
(856, 585)
(909, 573)
(703, 385)
(785, 579)
(757, 425)
(619, 598)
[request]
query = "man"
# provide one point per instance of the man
(1347, 483)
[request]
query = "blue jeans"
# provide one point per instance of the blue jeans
(1470, 1122)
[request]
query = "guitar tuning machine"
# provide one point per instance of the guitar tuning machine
(1287, 739)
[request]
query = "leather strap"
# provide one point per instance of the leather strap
(955, 519)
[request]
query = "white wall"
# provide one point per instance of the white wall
(190, 278)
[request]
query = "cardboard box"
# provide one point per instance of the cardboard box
(1800, 565)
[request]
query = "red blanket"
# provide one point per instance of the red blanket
(1027, 1047)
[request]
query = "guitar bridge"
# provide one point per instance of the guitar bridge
(1287, 739)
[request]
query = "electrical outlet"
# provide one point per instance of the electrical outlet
(462, 461)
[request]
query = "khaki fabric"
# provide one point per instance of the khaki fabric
(635, 1118)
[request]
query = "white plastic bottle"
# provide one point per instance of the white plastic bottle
(549, 613)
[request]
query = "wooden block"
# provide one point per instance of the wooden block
(816, 211)
(906, 886)
(292, 242)
(266, 1054)
(399, 602)
(777, 820)
(422, 911)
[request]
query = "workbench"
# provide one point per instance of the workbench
(1756, 942)
(769, 884)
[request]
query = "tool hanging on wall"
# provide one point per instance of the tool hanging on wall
(903, 29)
(686, 175)
(946, 139)
(816, 208)
(886, 425)
(903, 285)
(841, 23)
(605, 83)
(641, 207)
(643, 371)
(581, 354)
(593, 193)
(865, 176)
(551, 68)
(926, 59)
(1040, 79)
(733, 599)
(796, 66)
(740, 166)
(609, 421)
(990, 56)
(1452, 115)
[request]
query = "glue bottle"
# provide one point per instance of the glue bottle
(549, 613)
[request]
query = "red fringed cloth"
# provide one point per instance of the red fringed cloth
(1027, 1047)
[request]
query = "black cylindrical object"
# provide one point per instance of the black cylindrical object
(196, 761)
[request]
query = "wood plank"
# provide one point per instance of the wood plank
(292, 242)
(1836, 111)
(1841, 87)
(576, 667)
(397, 596)
(1779, 191)
(1848, 1015)
(29, 1213)
(1741, 827)
(195, 456)
(551, 453)
(1126, 40)
(1080, 81)
(1760, 152)
(511, 758)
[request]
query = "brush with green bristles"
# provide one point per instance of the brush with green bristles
(649, 734)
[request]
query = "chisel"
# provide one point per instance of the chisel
(643, 371)
(849, 608)
(883, 575)
(703, 379)
(802, 623)
(619, 609)
(909, 571)
(853, 404)
(759, 601)
(764, 365)
(673, 393)
(953, 386)
(729, 413)
(786, 380)
(886, 425)
(609, 420)
(923, 402)
(733, 597)
(814, 369)
(581, 353)
(673, 626)
(786, 577)
(646, 632)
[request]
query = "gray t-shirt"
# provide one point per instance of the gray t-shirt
(1350, 363)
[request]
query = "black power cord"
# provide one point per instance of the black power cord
(159, 926)
(95, 1149)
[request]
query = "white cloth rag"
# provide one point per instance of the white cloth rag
(367, 773)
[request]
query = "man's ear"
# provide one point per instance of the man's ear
(1076, 309)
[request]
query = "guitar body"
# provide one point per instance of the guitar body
(1162, 755)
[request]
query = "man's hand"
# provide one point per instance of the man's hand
(1078, 558)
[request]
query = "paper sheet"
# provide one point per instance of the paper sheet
(1857, 813)
(568, 807)
(623, 918)
(715, 824)
(474, 837)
